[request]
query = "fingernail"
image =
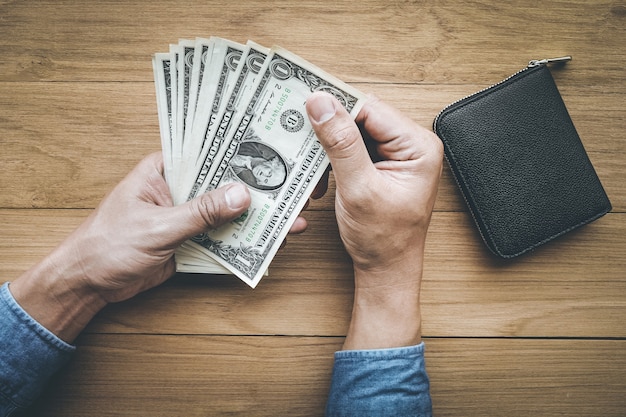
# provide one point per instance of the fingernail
(323, 108)
(236, 197)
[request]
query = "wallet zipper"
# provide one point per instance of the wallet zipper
(537, 62)
(531, 64)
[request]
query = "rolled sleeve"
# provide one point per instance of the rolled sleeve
(380, 382)
(29, 355)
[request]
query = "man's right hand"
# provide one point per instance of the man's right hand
(383, 211)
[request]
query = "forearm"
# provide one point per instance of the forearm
(29, 355)
(41, 312)
(381, 369)
(387, 314)
(56, 295)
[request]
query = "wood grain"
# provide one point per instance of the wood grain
(540, 335)
(268, 376)
(397, 42)
(573, 287)
(62, 152)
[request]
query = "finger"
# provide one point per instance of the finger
(382, 121)
(322, 186)
(397, 137)
(157, 187)
(298, 226)
(340, 137)
(208, 211)
(146, 183)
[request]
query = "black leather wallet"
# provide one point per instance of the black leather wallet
(520, 163)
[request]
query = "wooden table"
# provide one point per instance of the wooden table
(541, 335)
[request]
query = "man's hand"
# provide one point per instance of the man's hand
(127, 243)
(124, 247)
(383, 210)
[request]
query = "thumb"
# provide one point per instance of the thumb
(340, 136)
(208, 211)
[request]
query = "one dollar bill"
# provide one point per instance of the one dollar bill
(271, 148)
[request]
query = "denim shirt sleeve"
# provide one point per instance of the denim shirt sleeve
(380, 382)
(29, 355)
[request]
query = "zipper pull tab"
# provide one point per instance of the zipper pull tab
(560, 60)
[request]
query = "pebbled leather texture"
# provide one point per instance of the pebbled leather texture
(520, 163)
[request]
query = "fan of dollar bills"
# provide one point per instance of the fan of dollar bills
(232, 112)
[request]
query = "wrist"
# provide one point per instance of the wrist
(386, 311)
(54, 293)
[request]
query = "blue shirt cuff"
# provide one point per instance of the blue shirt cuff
(380, 382)
(29, 354)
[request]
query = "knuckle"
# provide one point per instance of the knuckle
(428, 148)
(436, 143)
(341, 137)
(435, 147)
(208, 210)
